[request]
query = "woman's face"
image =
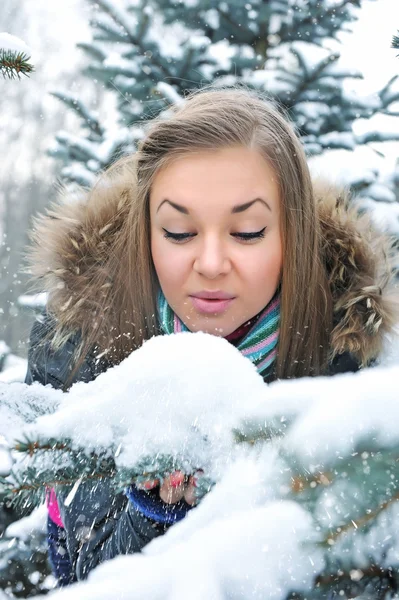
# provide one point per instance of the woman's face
(200, 205)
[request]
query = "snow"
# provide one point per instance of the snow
(188, 416)
(212, 18)
(5, 458)
(14, 369)
(21, 404)
(33, 300)
(363, 169)
(383, 214)
(13, 43)
(336, 426)
(344, 167)
(4, 349)
(379, 192)
(169, 92)
(207, 566)
(35, 522)
(250, 537)
(127, 67)
(222, 52)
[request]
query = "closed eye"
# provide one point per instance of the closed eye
(245, 237)
(178, 237)
(251, 236)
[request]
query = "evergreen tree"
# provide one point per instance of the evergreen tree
(150, 53)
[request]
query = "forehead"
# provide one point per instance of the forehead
(221, 177)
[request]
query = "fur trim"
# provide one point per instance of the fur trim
(71, 244)
(358, 263)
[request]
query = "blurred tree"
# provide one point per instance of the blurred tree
(148, 53)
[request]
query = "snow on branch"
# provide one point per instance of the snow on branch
(14, 57)
(304, 473)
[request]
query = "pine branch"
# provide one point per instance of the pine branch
(312, 76)
(235, 27)
(119, 18)
(395, 41)
(81, 110)
(361, 522)
(14, 64)
(32, 447)
(342, 576)
(66, 465)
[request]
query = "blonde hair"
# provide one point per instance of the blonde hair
(212, 119)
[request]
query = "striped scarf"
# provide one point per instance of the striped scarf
(260, 342)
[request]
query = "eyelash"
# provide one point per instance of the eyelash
(244, 237)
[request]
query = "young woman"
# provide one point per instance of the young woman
(213, 225)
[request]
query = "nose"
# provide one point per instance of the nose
(212, 259)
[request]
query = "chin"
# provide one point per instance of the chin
(212, 329)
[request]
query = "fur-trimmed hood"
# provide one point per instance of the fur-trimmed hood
(71, 244)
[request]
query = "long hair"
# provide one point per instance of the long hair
(209, 119)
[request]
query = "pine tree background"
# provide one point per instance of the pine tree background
(149, 54)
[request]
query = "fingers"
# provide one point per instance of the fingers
(150, 484)
(189, 493)
(172, 488)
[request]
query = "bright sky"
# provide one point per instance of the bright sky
(369, 46)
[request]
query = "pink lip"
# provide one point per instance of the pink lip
(208, 306)
(215, 295)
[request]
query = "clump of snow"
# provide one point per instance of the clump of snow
(21, 404)
(23, 529)
(178, 395)
(14, 44)
(37, 301)
(385, 215)
(345, 167)
(347, 416)
(4, 349)
(14, 369)
(169, 92)
(5, 458)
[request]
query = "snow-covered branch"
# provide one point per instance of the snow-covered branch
(305, 471)
(14, 56)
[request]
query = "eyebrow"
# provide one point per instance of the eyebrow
(238, 208)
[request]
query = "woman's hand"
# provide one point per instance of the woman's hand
(175, 487)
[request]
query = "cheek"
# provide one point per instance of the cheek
(159, 257)
(169, 264)
(267, 265)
